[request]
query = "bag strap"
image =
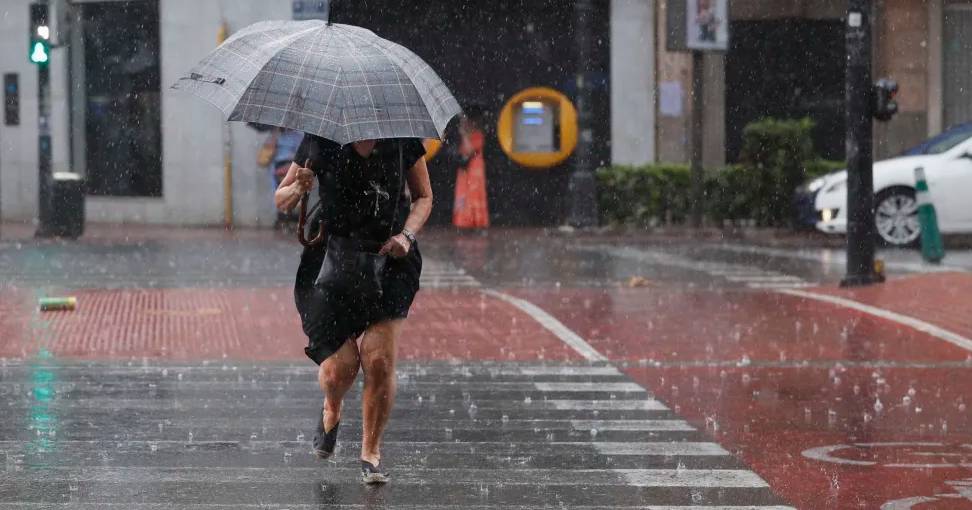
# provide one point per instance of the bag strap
(401, 188)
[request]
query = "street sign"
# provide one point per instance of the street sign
(697, 25)
(311, 9)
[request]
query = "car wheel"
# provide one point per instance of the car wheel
(896, 217)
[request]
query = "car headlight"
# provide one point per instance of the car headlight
(815, 185)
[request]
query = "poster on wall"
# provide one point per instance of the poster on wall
(707, 24)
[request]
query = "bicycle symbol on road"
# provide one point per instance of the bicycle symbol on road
(905, 455)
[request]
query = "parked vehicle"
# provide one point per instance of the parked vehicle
(947, 160)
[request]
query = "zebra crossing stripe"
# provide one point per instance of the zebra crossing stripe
(646, 463)
(607, 405)
(764, 278)
(632, 425)
(674, 448)
(753, 277)
(720, 478)
(624, 387)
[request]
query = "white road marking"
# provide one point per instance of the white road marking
(668, 449)
(764, 278)
(437, 275)
(607, 405)
(907, 503)
(693, 478)
(263, 506)
(623, 387)
(826, 454)
(918, 324)
(834, 257)
(551, 324)
(633, 425)
(781, 285)
(719, 507)
(568, 370)
(753, 277)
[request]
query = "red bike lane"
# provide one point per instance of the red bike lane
(833, 407)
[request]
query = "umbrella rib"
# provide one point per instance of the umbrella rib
(330, 96)
(401, 86)
(283, 44)
(425, 68)
(303, 63)
(364, 76)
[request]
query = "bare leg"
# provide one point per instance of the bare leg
(336, 375)
(377, 353)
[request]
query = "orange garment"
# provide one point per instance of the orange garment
(470, 209)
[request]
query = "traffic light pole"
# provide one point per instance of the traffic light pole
(698, 105)
(582, 187)
(860, 180)
(44, 155)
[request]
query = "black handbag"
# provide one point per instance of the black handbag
(353, 267)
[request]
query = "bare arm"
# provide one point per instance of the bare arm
(299, 180)
(421, 190)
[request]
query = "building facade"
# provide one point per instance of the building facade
(150, 154)
(786, 60)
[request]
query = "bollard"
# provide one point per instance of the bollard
(932, 248)
(58, 304)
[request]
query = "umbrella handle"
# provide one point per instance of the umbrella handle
(302, 220)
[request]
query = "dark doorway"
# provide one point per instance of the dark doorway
(487, 53)
(122, 103)
(788, 69)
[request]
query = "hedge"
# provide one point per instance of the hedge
(776, 157)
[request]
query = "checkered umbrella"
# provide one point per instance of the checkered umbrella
(340, 82)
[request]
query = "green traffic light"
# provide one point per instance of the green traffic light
(39, 53)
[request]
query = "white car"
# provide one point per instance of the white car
(947, 160)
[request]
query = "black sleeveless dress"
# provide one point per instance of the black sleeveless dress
(358, 197)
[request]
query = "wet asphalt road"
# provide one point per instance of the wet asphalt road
(501, 259)
(543, 371)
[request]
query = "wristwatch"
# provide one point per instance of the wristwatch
(410, 236)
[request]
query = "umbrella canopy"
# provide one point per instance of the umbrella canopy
(340, 82)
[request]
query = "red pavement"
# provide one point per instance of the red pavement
(257, 324)
(769, 376)
(694, 325)
(943, 299)
(732, 363)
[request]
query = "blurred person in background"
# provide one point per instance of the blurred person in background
(280, 147)
(470, 210)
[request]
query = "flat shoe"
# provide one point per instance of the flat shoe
(324, 442)
(371, 473)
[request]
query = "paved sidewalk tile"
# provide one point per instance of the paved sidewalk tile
(258, 324)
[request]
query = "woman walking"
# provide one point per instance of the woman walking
(470, 210)
(375, 197)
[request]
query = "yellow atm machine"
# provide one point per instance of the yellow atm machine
(537, 128)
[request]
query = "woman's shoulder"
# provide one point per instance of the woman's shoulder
(412, 147)
(316, 148)
(320, 143)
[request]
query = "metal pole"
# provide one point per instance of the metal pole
(221, 36)
(582, 187)
(698, 104)
(44, 153)
(860, 181)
